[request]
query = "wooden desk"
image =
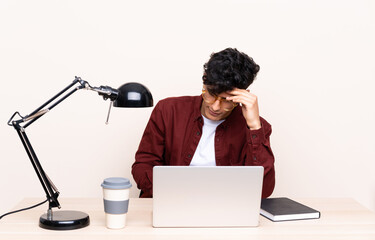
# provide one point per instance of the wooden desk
(341, 219)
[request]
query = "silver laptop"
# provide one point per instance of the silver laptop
(190, 196)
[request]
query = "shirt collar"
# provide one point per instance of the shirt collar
(197, 108)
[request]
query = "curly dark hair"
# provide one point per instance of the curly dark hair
(229, 69)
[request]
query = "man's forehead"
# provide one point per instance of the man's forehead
(222, 94)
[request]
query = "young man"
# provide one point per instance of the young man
(221, 127)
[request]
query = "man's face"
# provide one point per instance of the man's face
(216, 107)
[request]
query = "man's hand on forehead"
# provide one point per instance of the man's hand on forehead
(249, 103)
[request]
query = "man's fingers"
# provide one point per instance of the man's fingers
(237, 98)
(249, 101)
(239, 92)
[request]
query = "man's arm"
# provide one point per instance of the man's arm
(150, 152)
(257, 152)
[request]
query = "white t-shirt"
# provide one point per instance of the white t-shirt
(205, 153)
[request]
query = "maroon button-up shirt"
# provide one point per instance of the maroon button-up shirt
(173, 133)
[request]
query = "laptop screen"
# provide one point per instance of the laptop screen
(217, 196)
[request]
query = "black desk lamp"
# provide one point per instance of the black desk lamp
(129, 95)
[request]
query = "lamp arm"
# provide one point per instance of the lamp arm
(48, 186)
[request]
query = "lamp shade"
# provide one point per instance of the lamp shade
(133, 95)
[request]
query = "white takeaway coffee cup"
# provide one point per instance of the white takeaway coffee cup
(116, 201)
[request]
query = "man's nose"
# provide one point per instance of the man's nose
(216, 105)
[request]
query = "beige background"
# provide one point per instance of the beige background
(315, 86)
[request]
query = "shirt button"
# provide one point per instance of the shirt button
(254, 136)
(198, 133)
(254, 158)
(189, 155)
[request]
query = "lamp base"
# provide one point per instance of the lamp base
(64, 220)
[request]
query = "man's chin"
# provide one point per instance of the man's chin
(214, 116)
